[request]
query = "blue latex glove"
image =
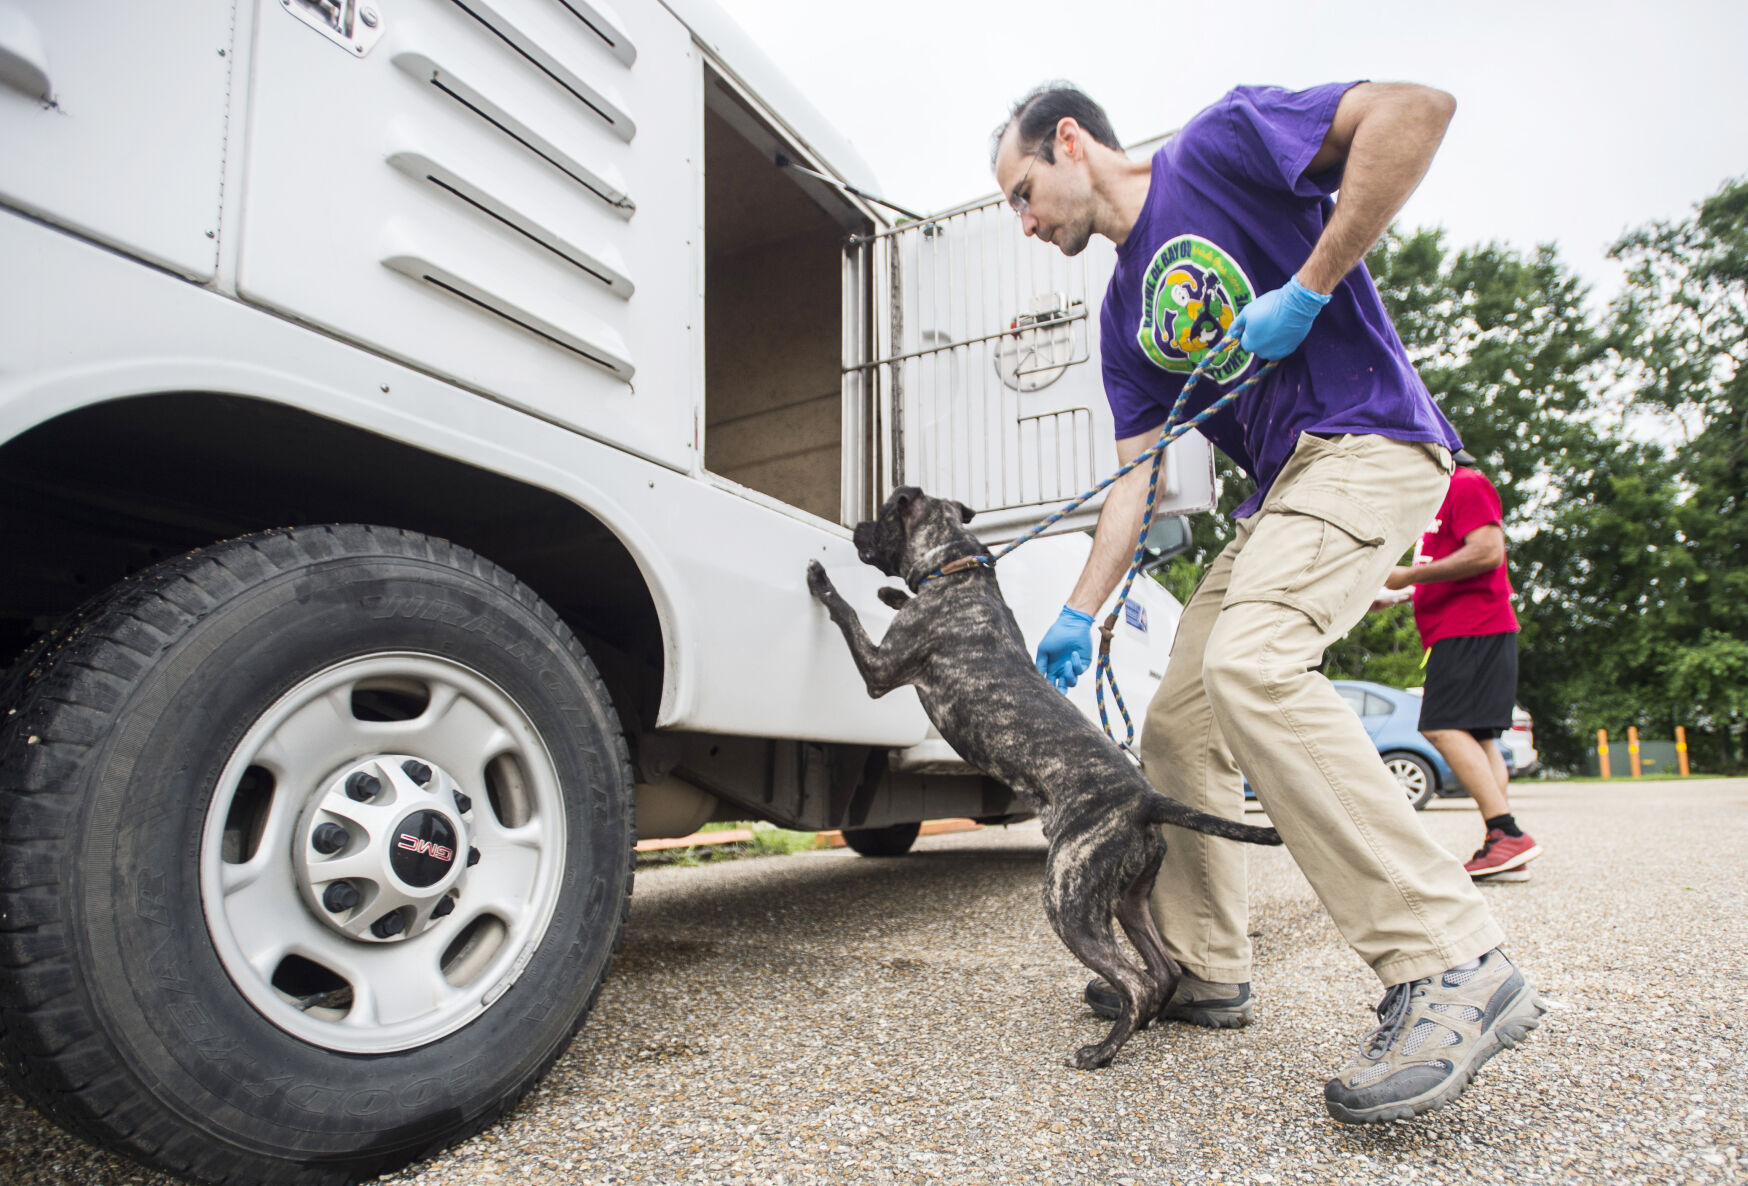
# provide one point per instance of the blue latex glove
(1067, 648)
(1273, 325)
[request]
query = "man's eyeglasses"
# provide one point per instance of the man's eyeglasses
(1021, 202)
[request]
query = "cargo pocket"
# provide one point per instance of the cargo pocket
(1317, 549)
(1332, 505)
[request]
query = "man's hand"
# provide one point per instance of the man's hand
(1390, 597)
(1400, 577)
(1273, 325)
(1067, 648)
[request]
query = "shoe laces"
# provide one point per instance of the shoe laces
(1393, 1012)
(1493, 837)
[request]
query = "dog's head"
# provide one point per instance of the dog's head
(914, 534)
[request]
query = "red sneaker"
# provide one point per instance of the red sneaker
(1502, 852)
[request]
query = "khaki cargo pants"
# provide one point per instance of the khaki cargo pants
(1301, 573)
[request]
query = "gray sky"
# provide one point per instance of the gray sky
(1576, 120)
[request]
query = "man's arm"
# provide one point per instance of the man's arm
(1383, 135)
(1483, 550)
(1119, 527)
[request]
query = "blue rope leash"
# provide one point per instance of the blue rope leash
(1105, 673)
(1154, 454)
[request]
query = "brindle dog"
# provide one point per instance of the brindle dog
(958, 643)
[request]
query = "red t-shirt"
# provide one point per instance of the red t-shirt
(1474, 605)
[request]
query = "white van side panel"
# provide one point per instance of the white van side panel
(530, 230)
(747, 649)
(497, 194)
(148, 87)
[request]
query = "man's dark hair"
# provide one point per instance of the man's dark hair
(1042, 109)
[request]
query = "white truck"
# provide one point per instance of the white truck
(416, 417)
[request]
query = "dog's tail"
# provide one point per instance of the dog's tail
(1163, 809)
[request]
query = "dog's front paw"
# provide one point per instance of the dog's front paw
(895, 598)
(818, 583)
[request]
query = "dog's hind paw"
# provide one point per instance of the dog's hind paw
(1091, 1058)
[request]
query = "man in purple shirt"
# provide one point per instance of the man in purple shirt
(1231, 230)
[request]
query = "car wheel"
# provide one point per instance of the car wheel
(892, 841)
(318, 848)
(1415, 776)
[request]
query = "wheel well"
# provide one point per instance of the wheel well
(106, 490)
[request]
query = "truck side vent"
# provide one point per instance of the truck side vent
(446, 281)
(597, 23)
(596, 181)
(512, 35)
(421, 167)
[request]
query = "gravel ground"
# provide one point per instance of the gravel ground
(830, 1018)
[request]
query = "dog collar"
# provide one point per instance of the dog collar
(959, 565)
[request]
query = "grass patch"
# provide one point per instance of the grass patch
(1659, 776)
(768, 840)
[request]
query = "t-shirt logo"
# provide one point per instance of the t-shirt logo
(1189, 295)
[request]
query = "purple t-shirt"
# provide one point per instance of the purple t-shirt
(1232, 214)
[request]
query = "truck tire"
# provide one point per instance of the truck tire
(193, 763)
(891, 841)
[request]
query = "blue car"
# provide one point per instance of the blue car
(1392, 718)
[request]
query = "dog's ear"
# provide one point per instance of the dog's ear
(895, 598)
(910, 510)
(965, 512)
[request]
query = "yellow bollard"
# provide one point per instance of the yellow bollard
(1602, 750)
(1633, 748)
(1681, 749)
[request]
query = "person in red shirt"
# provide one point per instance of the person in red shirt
(1462, 608)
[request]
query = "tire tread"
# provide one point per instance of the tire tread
(54, 1051)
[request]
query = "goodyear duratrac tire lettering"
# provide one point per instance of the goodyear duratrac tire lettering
(124, 1017)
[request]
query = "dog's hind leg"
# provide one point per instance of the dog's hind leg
(1137, 922)
(1088, 934)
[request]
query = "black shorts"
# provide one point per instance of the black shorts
(1471, 684)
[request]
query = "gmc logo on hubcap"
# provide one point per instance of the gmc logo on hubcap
(424, 849)
(412, 843)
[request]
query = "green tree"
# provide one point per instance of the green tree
(1596, 606)
(1682, 327)
(1507, 348)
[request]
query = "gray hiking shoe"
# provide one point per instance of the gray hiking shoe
(1435, 1035)
(1196, 1001)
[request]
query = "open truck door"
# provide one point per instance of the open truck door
(979, 358)
(984, 364)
